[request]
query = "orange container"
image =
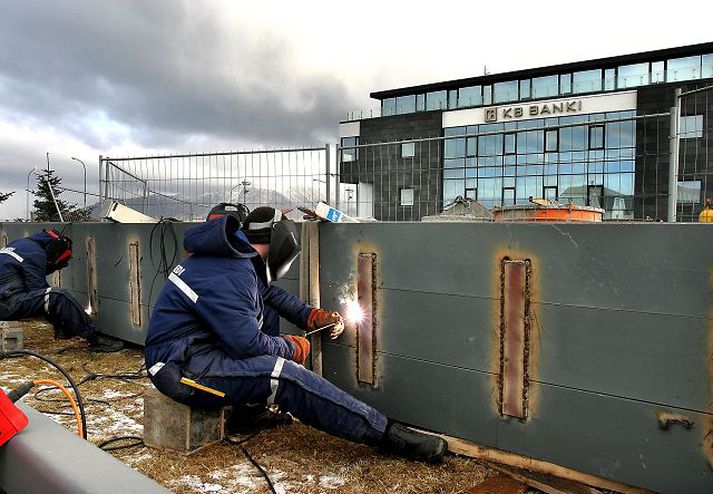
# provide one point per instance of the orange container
(568, 213)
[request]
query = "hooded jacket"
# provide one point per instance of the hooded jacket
(213, 300)
(23, 265)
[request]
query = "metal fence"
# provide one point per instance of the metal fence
(654, 167)
(187, 186)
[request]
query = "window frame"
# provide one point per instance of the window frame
(401, 196)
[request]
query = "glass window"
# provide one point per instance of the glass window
(565, 83)
(525, 89)
(505, 91)
(508, 196)
(684, 69)
(407, 197)
(657, 73)
(509, 143)
(543, 87)
(490, 145)
(691, 126)
(587, 81)
(454, 148)
(471, 146)
(551, 193)
(707, 66)
(596, 137)
(408, 149)
(349, 153)
(420, 102)
(469, 96)
(388, 107)
(551, 140)
(453, 98)
(609, 79)
(487, 95)
(452, 189)
(633, 75)
(689, 191)
(436, 100)
(405, 104)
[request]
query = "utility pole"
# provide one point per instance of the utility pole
(27, 191)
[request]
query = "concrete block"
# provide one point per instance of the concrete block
(11, 337)
(171, 425)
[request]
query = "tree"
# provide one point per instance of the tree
(45, 208)
(5, 196)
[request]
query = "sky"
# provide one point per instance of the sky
(84, 78)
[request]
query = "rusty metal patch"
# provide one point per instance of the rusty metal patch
(515, 320)
(134, 285)
(3, 239)
(366, 328)
(92, 294)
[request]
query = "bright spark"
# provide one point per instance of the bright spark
(354, 313)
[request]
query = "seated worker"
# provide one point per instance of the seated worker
(277, 302)
(207, 326)
(24, 291)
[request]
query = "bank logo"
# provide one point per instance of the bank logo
(491, 114)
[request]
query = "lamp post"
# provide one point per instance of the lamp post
(27, 191)
(245, 185)
(85, 180)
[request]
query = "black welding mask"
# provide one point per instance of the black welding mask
(238, 211)
(284, 248)
(59, 251)
(266, 225)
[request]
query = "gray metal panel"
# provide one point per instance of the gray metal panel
(45, 457)
(623, 316)
(606, 436)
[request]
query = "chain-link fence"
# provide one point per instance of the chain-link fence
(187, 186)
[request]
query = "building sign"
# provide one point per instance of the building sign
(535, 110)
(560, 107)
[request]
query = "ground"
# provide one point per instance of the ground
(297, 458)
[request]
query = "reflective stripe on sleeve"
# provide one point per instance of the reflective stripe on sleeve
(187, 290)
(9, 251)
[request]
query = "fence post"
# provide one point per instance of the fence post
(674, 142)
(338, 149)
(327, 173)
(101, 198)
(106, 178)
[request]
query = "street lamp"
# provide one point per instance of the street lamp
(85, 180)
(245, 185)
(27, 191)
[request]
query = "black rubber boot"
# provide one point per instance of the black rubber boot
(104, 344)
(251, 419)
(402, 441)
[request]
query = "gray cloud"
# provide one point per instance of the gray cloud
(163, 70)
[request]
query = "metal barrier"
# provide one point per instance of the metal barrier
(45, 457)
(187, 186)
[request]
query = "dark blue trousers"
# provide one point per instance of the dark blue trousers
(59, 307)
(272, 380)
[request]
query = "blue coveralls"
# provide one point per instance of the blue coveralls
(24, 291)
(208, 325)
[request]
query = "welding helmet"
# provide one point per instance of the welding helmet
(238, 211)
(59, 251)
(266, 225)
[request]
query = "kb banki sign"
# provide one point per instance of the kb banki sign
(536, 110)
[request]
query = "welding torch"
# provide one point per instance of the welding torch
(317, 330)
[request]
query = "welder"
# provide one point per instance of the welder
(277, 303)
(208, 327)
(24, 291)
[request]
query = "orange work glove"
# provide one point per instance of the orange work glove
(301, 348)
(321, 317)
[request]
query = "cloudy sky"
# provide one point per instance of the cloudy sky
(88, 77)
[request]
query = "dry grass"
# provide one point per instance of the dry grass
(299, 459)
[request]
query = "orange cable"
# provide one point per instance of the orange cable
(51, 382)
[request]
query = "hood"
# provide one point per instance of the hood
(218, 238)
(42, 239)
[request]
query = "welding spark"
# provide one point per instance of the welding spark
(354, 313)
(88, 310)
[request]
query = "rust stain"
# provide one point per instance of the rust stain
(351, 292)
(3, 239)
(531, 354)
(367, 328)
(134, 284)
(92, 294)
